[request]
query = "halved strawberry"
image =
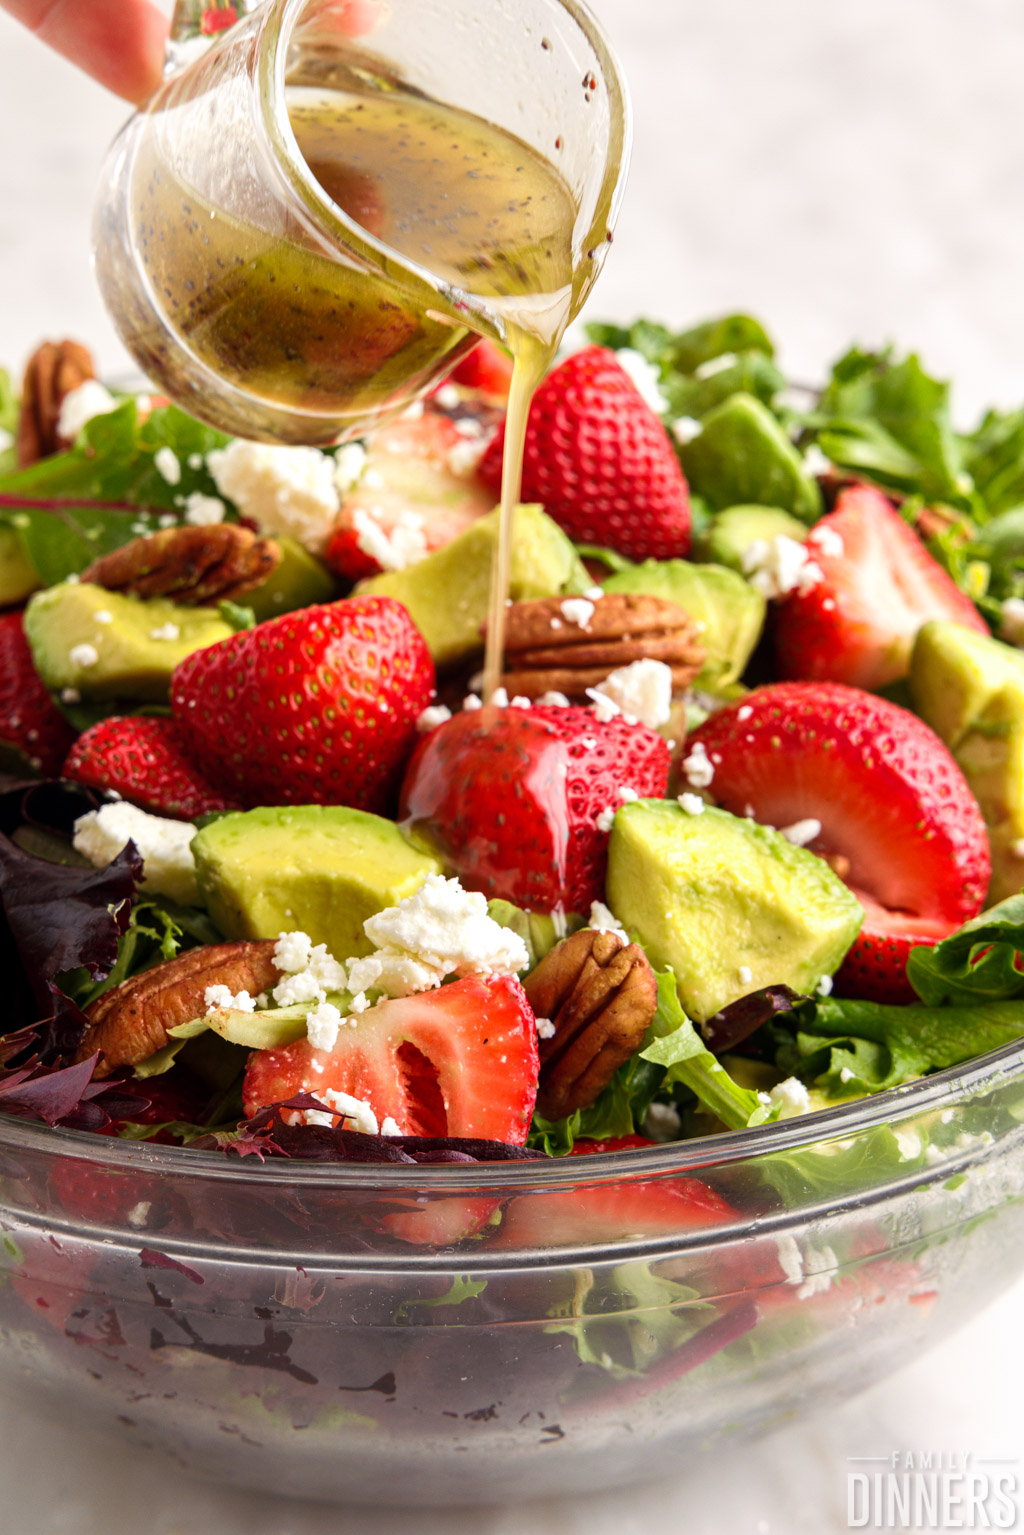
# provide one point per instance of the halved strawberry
(879, 585)
(144, 759)
(459, 1061)
(896, 816)
(515, 798)
(418, 490)
(29, 721)
(487, 369)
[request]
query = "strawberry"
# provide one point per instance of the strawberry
(600, 461)
(512, 798)
(418, 490)
(458, 1061)
(29, 721)
(897, 818)
(879, 585)
(315, 707)
(487, 369)
(144, 760)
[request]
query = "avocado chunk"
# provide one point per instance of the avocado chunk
(17, 573)
(730, 610)
(130, 654)
(446, 594)
(708, 894)
(735, 529)
(266, 1028)
(970, 690)
(317, 869)
(742, 456)
(298, 582)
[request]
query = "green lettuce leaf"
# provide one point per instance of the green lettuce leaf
(980, 963)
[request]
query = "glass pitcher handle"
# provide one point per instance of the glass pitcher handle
(196, 26)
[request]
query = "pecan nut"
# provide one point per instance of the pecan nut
(600, 994)
(197, 567)
(547, 648)
(54, 371)
(130, 1023)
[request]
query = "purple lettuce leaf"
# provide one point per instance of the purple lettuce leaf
(730, 1027)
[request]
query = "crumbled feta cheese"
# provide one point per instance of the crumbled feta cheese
(745, 975)
(744, 712)
(432, 716)
(167, 465)
(164, 846)
(394, 548)
(6, 440)
(780, 565)
(390, 1126)
(824, 986)
(70, 696)
(285, 490)
(604, 708)
(217, 997)
(463, 457)
(606, 819)
(520, 701)
(81, 405)
(692, 804)
(642, 689)
(578, 611)
(441, 930)
(790, 1258)
(800, 833)
(399, 975)
(662, 1122)
(203, 511)
(545, 1028)
(310, 971)
(828, 542)
(1011, 621)
(195, 462)
(792, 1097)
(589, 743)
(322, 1025)
(603, 920)
(103, 616)
(554, 623)
(627, 795)
(685, 429)
(554, 700)
(909, 1143)
(819, 1266)
(448, 397)
(349, 467)
(166, 631)
(292, 951)
(471, 701)
(139, 1214)
(83, 656)
(697, 767)
(645, 375)
(168, 520)
(846, 1075)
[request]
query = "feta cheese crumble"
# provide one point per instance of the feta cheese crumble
(646, 376)
(780, 565)
(81, 405)
(432, 716)
(310, 971)
(819, 1266)
(83, 656)
(554, 700)
(545, 1028)
(642, 689)
(606, 819)
(203, 511)
(685, 428)
(322, 1025)
(578, 611)
(285, 490)
(167, 465)
(166, 631)
(792, 1097)
(603, 920)
(828, 542)
(691, 803)
(103, 616)
(217, 997)
(800, 833)
(745, 975)
(698, 768)
(164, 846)
(824, 986)
(394, 548)
(349, 466)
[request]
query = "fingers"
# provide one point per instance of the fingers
(119, 42)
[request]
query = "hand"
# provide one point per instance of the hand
(119, 42)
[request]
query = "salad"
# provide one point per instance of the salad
(741, 836)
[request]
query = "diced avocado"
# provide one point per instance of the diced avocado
(730, 610)
(970, 690)
(446, 594)
(317, 869)
(298, 582)
(710, 894)
(17, 573)
(131, 654)
(265, 1029)
(739, 526)
(742, 456)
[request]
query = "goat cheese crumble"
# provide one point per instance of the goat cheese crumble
(285, 490)
(164, 845)
(642, 689)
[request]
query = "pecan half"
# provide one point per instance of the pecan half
(54, 371)
(600, 994)
(197, 567)
(130, 1023)
(548, 651)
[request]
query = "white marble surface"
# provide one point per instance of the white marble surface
(846, 171)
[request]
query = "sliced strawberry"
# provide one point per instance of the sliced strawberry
(512, 797)
(897, 819)
(878, 586)
(144, 760)
(419, 490)
(29, 722)
(459, 1061)
(487, 369)
(600, 461)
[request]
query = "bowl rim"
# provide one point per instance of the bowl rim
(694, 1155)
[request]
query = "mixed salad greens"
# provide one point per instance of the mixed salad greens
(769, 1042)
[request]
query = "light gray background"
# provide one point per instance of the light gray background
(848, 172)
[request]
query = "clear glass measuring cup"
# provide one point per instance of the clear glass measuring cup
(248, 294)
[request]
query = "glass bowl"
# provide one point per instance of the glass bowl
(443, 1334)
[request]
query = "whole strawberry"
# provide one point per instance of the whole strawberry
(314, 707)
(600, 461)
(144, 759)
(29, 721)
(520, 801)
(870, 787)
